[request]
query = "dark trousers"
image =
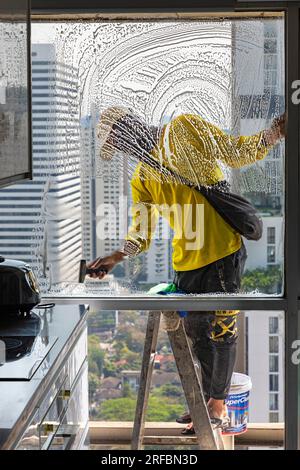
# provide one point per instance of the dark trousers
(214, 334)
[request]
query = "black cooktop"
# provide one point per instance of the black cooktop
(24, 345)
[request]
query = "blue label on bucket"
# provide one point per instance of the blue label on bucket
(238, 410)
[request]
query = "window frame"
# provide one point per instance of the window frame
(289, 302)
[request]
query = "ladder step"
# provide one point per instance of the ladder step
(170, 440)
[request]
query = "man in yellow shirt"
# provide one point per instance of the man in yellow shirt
(208, 254)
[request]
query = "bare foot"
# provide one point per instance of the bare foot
(217, 408)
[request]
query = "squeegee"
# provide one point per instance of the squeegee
(84, 270)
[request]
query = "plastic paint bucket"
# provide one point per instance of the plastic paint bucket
(238, 403)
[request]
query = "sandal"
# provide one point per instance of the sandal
(215, 422)
(184, 419)
(188, 431)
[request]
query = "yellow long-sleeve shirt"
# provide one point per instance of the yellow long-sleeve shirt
(193, 148)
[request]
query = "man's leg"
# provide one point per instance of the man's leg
(224, 331)
(224, 337)
(198, 327)
(214, 341)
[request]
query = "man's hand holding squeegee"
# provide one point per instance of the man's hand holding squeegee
(101, 266)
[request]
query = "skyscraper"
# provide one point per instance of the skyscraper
(40, 220)
(259, 94)
(88, 184)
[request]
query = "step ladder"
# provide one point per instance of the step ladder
(208, 439)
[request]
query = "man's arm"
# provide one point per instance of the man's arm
(144, 219)
(237, 152)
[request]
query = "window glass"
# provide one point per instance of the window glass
(267, 372)
(273, 324)
(273, 383)
(271, 255)
(273, 344)
(274, 417)
(274, 363)
(273, 401)
(271, 235)
(194, 98)
(116, 341)
(270, 61)
(15, 157)
(270, 46)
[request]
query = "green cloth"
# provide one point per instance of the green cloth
(163, 288)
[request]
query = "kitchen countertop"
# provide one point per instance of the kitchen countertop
(20, 397)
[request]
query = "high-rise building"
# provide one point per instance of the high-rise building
(265, 365)
(112, 202)
(158, 260)
(40, 220)
(269, 250)
(88, 184)
(258, 95)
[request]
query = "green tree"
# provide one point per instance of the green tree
(133, 359)
(267, 280)
(123, 409)
(99, 320)
(94, 383)
(170, 366)
(109, 369)
(131, 336)
(96, 355)
(93, 368)
(169, 390)
(117, 409)
(127, 391)
(160, 409)
(118, 349)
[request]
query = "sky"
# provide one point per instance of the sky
(42, 33)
